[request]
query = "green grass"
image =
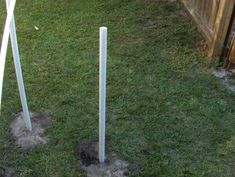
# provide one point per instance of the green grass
(162, 117)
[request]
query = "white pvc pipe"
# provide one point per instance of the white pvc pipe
(102, 91)
(4, 45)
(19, 76)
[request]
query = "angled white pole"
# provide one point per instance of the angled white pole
(19, 76)
(102, 92)
(4, 45)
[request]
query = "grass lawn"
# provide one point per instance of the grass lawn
(162, 117)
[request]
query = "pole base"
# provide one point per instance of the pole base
(88, 153)
(28, 140)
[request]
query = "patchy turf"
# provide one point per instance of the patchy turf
(163, 118)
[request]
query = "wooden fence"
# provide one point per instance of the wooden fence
(229, 54)
(212, 18)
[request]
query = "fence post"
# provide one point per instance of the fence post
(102, 92)
(10, 28)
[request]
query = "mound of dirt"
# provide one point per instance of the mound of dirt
(88, 154)
(26, 140)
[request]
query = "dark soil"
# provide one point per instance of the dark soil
(88, 152)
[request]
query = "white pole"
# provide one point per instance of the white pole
(102, 92)
(19, 76)
(4, 45)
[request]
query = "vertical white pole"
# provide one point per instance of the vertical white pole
(4, 45)
(102, 91)
(19, 76)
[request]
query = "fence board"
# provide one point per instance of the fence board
(212, 18)
(232, 54)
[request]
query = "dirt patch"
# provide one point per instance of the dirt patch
(88, 154)
(227, 79)
(26, 140)
(7, 172)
